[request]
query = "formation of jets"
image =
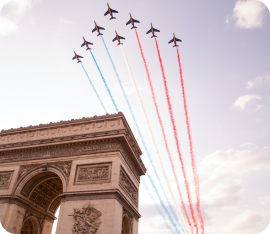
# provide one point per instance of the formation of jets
(131, 21)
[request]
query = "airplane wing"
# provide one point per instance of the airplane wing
(136, 21)
(122, 38)
(156, 30)
(101, 28)
(82, 45)
(128, 22)
(73, 57)
(114, 11)
(106, 13)
(94, 30)
(79, 56)
(178, 39)
(148, 31)
(170, 41)
(114, 39)
(89, 43)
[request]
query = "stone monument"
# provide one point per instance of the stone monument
(89, 166)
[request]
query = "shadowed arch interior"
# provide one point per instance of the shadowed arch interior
(43, 190)
(125, 225)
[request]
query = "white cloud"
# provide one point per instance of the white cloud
(264, 200)
(249, 14)
(247, 220)
(9, 20)
(242, 101)
(259, 79)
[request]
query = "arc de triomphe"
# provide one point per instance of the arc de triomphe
(91, 166)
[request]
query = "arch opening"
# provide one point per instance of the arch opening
(125, 225)
(30, 226)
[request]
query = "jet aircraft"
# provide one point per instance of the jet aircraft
(118, 39)
(97, 28)
(86, 43)
(153, 30)
(110, 11)
(174, 40)
(77, 57)
(132, 21)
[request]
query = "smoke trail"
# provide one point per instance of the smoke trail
(176, 138)
(153, 139)
(195, 175)
(165, 139)
(104, 81)
(138, 129)
(94, 89)
(159, 211)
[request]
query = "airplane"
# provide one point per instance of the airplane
(132, 21)
(118, 39)
(110, 11)
(97, 28)
(153, 30)
(174, 40)
(77, 57)
(86, 43)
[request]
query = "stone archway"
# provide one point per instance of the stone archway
(73, 162)
(31, 226)
(126, 227)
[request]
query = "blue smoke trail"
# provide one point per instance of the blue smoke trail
(104, 81)
(159, 211)
(138, 129)
(94, 89)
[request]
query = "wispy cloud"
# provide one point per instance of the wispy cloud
(242, 101)
(62, 21)
(257, 80)
(246, 220)
(9, 20)
(264, 200)
(249, 14)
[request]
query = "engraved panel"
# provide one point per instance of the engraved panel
(5, 178)
(93, 173)
(127, 185)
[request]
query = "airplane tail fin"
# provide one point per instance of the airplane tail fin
(176, 45)
(79, 61)
(133, 27)
(120, 43)
(153, 36)
(99, 34)
(88, 48)
(112, 18)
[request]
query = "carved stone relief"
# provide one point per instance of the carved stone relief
(65, 167)
(5, 178)
(25, 170)
(127, 185)
(93, 173)
(86, 220)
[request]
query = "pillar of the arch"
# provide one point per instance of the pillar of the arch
(47, 227)
(111, 215)
(13, 219)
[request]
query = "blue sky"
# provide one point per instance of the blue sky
(225, 60)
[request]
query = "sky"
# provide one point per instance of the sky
(226, 70)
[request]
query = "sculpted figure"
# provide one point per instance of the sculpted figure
(86, 221)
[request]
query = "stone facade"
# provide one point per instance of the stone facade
(90, 166)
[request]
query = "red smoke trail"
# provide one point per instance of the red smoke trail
(176, 137)
(195, 175)
(163, 132)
